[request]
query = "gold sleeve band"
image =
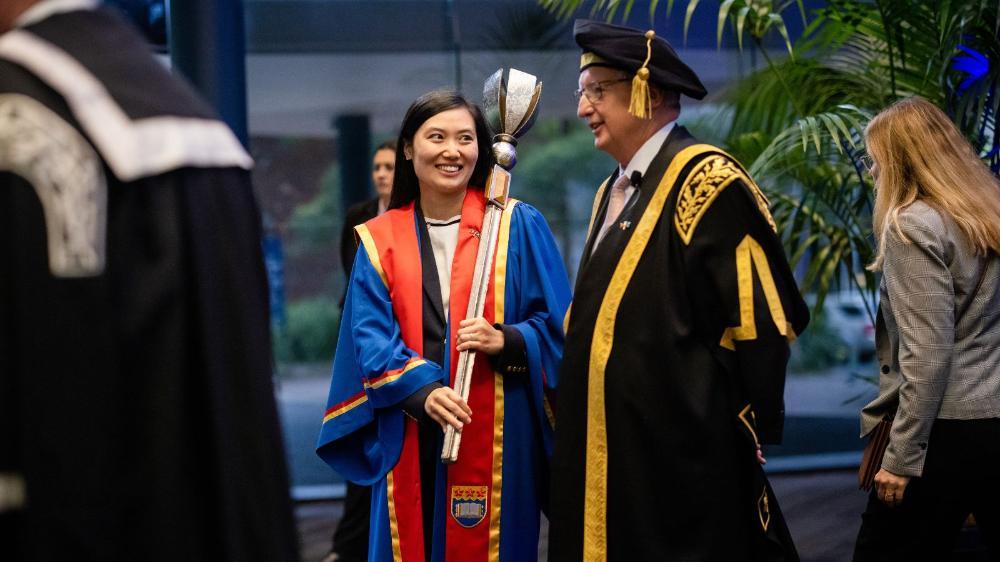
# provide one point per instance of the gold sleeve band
(750, 256)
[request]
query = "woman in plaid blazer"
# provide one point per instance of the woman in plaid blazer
(937, 223)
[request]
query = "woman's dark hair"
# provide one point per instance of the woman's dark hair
(405, 187)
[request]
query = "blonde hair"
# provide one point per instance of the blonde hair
(921, 155)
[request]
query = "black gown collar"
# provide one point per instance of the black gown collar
(613, 243)
(434, 318)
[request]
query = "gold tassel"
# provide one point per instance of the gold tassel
(641, 103)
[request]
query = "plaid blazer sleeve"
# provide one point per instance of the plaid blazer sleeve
(920, 287)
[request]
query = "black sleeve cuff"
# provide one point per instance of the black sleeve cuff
(770, 428)
(513, 358)
(413, 405)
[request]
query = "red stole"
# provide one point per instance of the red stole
(470, 481)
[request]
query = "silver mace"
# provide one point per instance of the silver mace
(510, 111)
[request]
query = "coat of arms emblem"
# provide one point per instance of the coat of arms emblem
(468, 504)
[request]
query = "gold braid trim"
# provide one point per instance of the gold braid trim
(590, 230)
(499, 292)
(595, 494)
(596, 206)
(366, 239)
(390, 494)
(587, 59)
(750, 256)
(764, 510)
(762, 203)
(748, 418)
(703, 184)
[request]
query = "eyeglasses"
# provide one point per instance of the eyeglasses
(595, 90)
(866, 160)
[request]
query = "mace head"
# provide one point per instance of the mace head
(511, 107)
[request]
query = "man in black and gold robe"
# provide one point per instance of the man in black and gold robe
(677, 339)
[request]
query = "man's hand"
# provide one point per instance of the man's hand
(477, 334)
(760, 456)
(890, 487)
(446, 407)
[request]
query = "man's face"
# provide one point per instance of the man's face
(616, 131)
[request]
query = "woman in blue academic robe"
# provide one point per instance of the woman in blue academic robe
(402, 329)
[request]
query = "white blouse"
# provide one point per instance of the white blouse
(444, 238)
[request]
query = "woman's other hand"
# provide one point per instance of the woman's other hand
(476, 334)
(890, 487)
(446, 407)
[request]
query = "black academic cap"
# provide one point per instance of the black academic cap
(630, 49)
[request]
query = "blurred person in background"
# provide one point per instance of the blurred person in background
(137, 415)
(383, 167)
(401, 333)
(937, 223)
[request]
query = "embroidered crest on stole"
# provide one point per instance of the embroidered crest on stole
(468, 504)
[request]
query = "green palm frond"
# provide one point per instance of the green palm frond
(520, 26)
(834, 135)
(829, 226)
(757, 18)
(762, 103)
(822, 199)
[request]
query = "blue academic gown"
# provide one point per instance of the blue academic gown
(374, 370)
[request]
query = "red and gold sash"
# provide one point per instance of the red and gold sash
(474, 482)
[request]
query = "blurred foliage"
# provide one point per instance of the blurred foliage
(309, 333)
(558, 150)
(558, 154)
(318, 222)
(819, 348)
(310, 329)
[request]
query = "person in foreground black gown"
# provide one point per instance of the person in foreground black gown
(137, 415)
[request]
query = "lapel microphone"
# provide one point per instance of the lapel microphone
(636, 178)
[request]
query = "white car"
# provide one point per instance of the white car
(846, 313)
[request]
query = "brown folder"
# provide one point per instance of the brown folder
(871, 459)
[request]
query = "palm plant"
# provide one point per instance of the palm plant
(799, 120)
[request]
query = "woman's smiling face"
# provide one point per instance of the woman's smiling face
(444, 152)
